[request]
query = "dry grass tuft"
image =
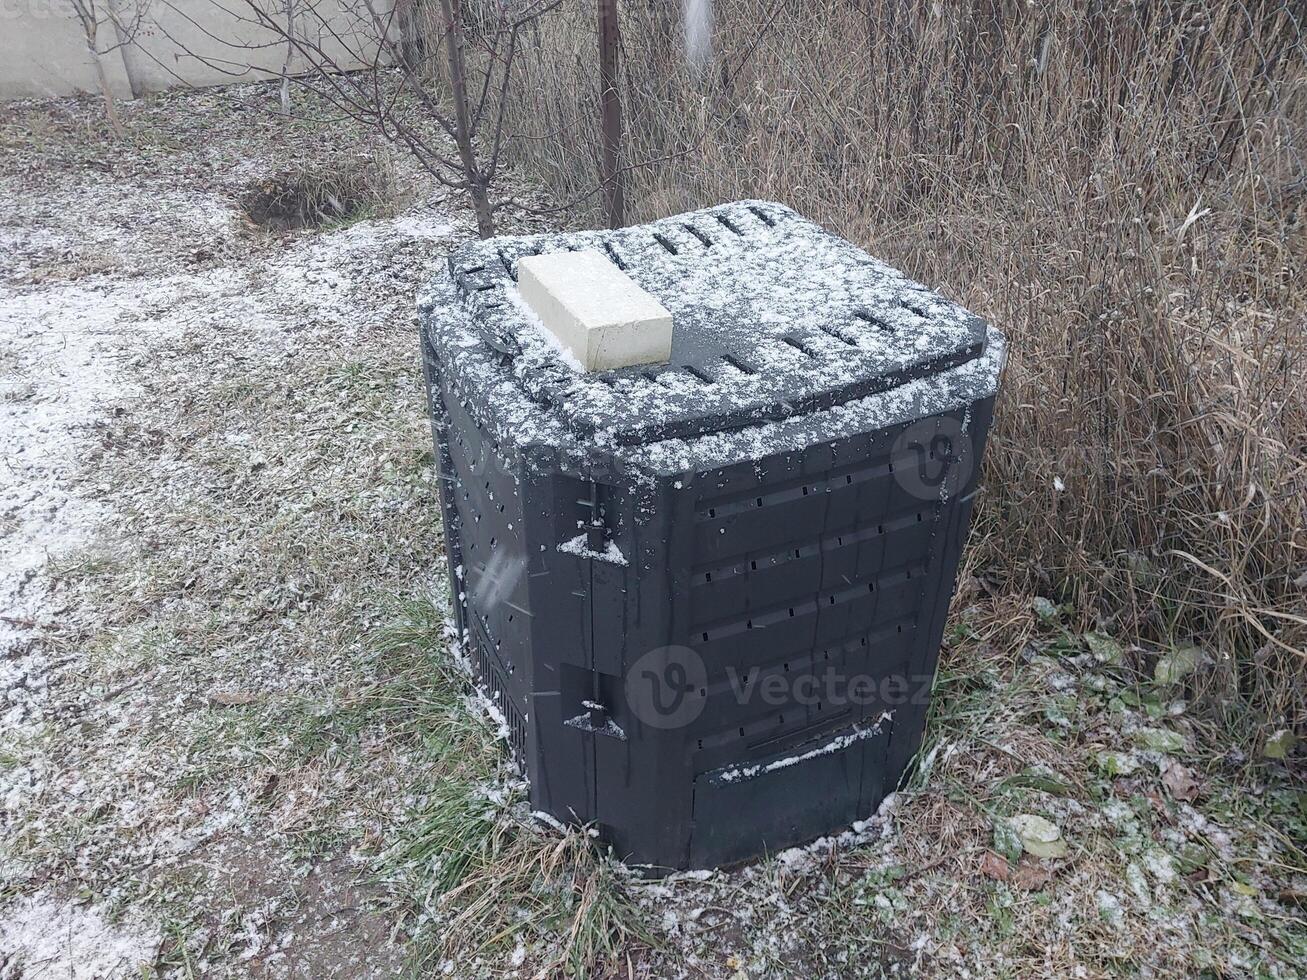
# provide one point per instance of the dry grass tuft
(548, 887)
(488, 880)
(325, 193)
(1120, 186)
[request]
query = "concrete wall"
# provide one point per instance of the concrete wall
(150, 45)
(43, 52)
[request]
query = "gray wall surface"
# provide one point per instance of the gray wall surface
(150, 45)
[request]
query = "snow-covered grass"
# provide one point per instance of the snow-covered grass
(234, 740)
(217, 479)
(59, 940)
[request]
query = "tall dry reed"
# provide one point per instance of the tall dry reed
(1121, 186)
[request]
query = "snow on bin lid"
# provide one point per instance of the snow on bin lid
(773, 317)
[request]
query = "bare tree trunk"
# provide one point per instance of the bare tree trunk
(290, 52)
(90, 21)
(476, 181)
(611, 173)
(110, 105)
(481, 205)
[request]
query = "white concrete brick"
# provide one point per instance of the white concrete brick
(596, 310)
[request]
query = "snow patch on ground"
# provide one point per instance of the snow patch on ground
(54, 346)
(46, 938)
(424, 224)
(133, 324)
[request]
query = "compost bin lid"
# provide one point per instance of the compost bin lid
(772, 317)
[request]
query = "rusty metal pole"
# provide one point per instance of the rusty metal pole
(611, 102)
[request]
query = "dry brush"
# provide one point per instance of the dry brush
(1121, 186)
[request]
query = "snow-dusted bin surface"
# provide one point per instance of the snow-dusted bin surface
(708, 595)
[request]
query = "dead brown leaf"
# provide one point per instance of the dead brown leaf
(1031, 876)
(994, 865)
(1180, 782)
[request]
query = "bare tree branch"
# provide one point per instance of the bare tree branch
(377, 66)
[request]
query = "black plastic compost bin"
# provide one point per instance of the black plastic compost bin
(707, 596)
